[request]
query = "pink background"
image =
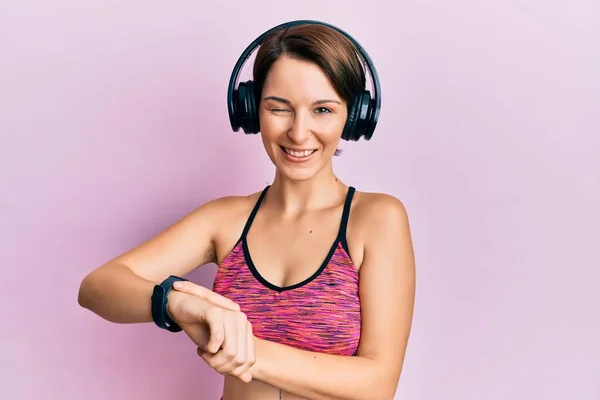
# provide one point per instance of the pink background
(113, 124)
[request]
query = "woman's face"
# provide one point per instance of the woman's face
(301, 118)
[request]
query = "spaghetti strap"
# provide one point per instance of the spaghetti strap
(253, 213)
(345, 217)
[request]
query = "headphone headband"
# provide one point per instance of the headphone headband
(374, 108)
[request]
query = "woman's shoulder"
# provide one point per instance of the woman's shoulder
(375, 208)
(223, 218)
(377, 203)
(229, 205)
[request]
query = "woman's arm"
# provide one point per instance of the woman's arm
(120, 290)
(387, 290)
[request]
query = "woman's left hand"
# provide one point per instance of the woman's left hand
(233, 359)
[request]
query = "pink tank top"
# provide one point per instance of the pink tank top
(320, 314)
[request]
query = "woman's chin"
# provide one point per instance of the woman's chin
(298, 169)
(296, 174)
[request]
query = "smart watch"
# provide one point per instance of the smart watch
(160, 316)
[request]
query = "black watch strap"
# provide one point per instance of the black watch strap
(159, 304)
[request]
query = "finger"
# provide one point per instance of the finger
(215, 321)
(207, 294)
(239, 358)
(208, 357)
(241, 355)
(243, 371)
(231, 350)
(227, 349)
(251, 349)
(233, 353)
(213, 360)
(245, 376)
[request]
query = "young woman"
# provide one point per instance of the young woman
(313, 298)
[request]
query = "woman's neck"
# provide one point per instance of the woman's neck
(294, 197)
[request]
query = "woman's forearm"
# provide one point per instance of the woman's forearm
(117, 294)
(317, 376)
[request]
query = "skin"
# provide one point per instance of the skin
(289, 239)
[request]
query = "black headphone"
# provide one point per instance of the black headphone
(362, 113)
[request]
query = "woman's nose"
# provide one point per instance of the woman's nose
(300, 131)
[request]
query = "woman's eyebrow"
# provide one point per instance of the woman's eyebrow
(286, 101)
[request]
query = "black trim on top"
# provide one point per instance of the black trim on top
(253, 213)
(280, 289)
(340, 238)
(345, 217)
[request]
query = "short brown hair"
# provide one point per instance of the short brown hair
(319, 44)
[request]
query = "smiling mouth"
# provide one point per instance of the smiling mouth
(298, 154)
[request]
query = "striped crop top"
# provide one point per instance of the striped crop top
(320, 314)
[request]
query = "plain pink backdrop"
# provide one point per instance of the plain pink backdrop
(113, 124)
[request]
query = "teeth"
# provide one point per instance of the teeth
(299, 154)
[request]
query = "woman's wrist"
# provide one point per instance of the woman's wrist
(173, 298)
(257, 370)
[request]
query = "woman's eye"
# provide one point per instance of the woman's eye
(322, 110)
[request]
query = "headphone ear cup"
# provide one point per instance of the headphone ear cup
(358, 116)
(348, 132)
(241, 109)
(253, 121)
(246, 108)
(370, 116)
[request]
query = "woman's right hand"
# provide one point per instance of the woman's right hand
(215, 323)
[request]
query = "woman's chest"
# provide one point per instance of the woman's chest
(317, 317)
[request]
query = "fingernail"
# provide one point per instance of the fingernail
(177, 284)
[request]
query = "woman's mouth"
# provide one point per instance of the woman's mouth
(298, 155)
